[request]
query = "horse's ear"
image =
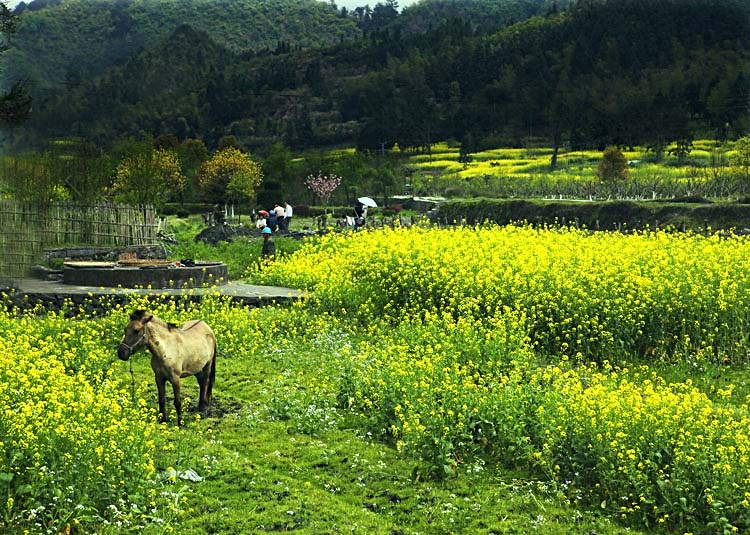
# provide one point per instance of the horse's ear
(140, 315)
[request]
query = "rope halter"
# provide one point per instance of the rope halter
(132, 348)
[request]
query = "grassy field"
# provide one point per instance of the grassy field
(525, 162)
(276, 454)
(560, 382)
(527, 172)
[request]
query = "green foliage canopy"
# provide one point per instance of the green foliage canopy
(230, 174)
(613, 165)
(148, 177)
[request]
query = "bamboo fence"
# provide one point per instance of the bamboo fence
(26, 230)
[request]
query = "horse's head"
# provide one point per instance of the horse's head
(136, 334)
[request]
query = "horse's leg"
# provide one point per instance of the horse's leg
(211, 378)
(160, 383)
(202, 377)
(177, 400)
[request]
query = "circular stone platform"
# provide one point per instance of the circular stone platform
(152, 274)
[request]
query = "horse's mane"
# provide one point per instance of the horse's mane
(137, 315)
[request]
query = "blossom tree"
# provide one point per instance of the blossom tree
(323, 186)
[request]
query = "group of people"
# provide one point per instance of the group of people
(278, 218)
(269, 221)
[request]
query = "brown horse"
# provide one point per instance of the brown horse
(176, 352)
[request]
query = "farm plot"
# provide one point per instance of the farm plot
(433, 381)
(709, 170)
(532, 346)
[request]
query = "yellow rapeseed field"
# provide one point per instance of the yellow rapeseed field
(514, 343)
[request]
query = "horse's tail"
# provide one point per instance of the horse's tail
(213, 364)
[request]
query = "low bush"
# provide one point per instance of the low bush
(686, 213)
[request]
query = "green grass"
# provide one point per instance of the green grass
(526, 163)
(236, 254)
(262, 474)
(281, 452)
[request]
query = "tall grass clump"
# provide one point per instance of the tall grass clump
(449, 391)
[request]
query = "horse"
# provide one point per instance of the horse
(176, 352)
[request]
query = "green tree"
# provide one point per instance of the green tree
(356, 170)
(148, 177)
(468, 146)
(682, 149)
(277, 165)
(80, 167)
(613, 166)
(227, 142)
(28, 178)
(15, 105)
(230, 174)
(65, 169)
(385, 179)
(192, 154)
(383, 14)
(166, 141)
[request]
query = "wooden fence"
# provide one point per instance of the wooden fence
(26, 230)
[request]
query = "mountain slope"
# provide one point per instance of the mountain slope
(603, 72)
(133, 97)
(71, 40)
(485, 16)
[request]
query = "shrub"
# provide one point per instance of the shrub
(302, 210)
(613, 166)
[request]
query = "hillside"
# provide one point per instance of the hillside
(485, 16)
(626, 72)
(67, 41)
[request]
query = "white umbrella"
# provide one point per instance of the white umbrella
(367, 201)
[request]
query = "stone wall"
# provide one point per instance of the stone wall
(107, 254)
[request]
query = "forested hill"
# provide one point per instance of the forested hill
(603, 71)
(484, 15)
(66, 41)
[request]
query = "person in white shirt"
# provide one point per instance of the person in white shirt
(279, 211)
(288, 212)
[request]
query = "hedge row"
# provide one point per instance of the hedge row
(599, 215)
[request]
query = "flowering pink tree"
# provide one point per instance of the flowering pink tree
(323, 186)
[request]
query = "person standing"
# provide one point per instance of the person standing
(360, 213)
(271, 221)
(268, 251)
(288, 213)
(279, 211)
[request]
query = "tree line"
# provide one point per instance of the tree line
(602, 72)
(186, 172)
